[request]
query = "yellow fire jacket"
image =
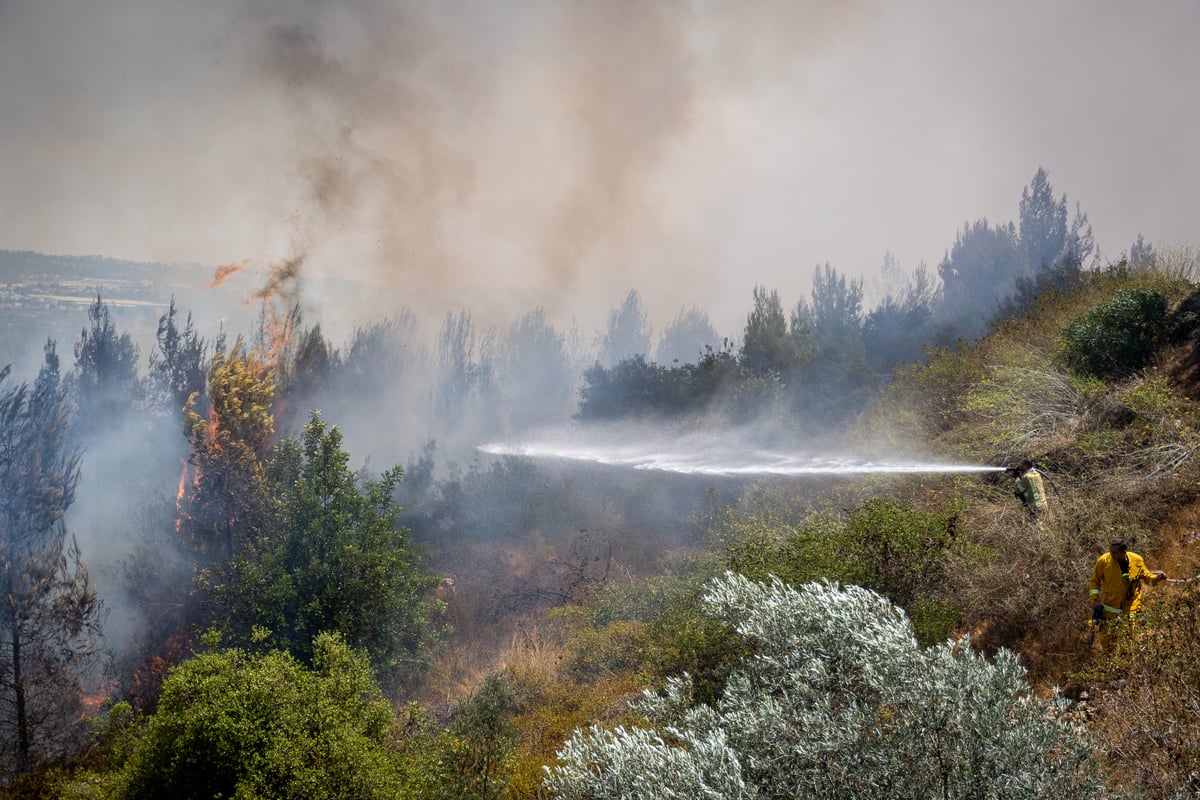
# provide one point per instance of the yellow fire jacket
(1031, 490)
(1120, 591)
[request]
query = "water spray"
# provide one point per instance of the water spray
(722, 459)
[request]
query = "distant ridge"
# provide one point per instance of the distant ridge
(24, 266)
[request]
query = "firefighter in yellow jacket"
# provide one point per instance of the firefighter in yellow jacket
(1116, 585)
(1030, 489)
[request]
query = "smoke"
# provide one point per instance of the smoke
(500, 156)
(382, 163)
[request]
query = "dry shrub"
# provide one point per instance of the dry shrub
(1148, 714)
(1024, 586)
(551, 702)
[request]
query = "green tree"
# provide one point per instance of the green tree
(50, 618)
(837, 701)
(224, 505)
(382, 356)
(628, 332)
(105, 377)
(1043, 223)
(476, 749)
(836, 314)
(977, 274)
(466, 367)
(767, 346)
(830, 381)
(900, 327)
(537, 377)
(686, 338)
(312, 364)
(1142, 253)
(231, 723)
(631, 387)
(332, 559)
(178, 364)
(1080, 244)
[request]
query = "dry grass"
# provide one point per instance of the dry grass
(1146, 699)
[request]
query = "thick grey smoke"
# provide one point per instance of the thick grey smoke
(500, 155)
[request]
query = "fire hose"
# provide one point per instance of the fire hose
(1098, 611)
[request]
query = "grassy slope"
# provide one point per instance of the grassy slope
(1119, 455)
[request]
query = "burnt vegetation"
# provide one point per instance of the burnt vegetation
(286, 617)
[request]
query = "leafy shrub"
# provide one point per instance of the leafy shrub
(1116, 337)
(231, 723)
(883, 545)
(651, 628)
(838, 701)
(922, 401)
(478, 744)
(615, 648)
(548, 709)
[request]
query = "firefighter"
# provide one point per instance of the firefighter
(1030, 489)
(1116, 585)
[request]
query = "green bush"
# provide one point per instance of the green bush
(235, 724)
(884, 545)
(1116, 337)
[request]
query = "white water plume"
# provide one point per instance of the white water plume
(707, 455)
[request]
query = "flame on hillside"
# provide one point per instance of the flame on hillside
(179, 498)
(280, 300)
(224, 272)
(280, 318)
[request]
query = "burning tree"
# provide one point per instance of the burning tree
(228, 446)
(221, 505)
(49, 616)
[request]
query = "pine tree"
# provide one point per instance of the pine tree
(50, 618)
(1043, 224)
(105, 376)
(628, 333)
(177, 364)
(766, 344)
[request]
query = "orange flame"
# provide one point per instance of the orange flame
(90, 703)
(224, 272)
(179, 498)
(182, 484)
(282, 280)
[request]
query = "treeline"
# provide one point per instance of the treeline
(823, 361)
(280, 599)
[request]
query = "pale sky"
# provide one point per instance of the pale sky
(492, 155)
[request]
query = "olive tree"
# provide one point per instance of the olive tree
(838, 700)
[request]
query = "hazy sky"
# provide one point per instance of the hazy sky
(492, 155)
